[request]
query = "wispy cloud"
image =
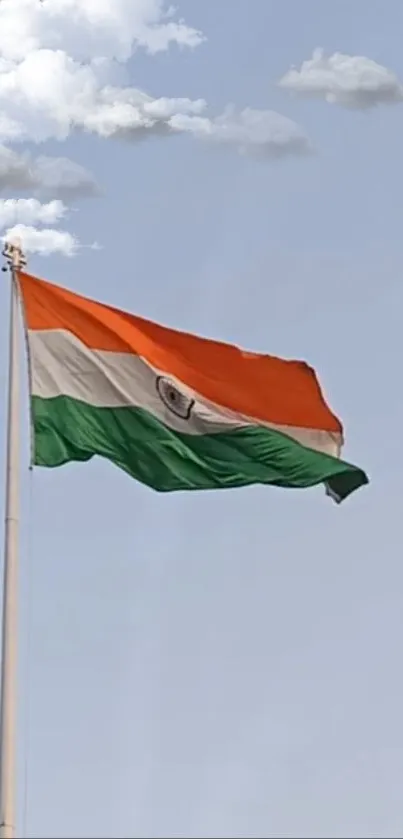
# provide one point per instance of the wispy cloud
(63, 177)
(56, 176)
(263, 134)
(15, 171)
(352, 81)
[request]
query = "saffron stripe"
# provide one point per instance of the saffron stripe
(265, 388)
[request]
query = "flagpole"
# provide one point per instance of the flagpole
(8, 693)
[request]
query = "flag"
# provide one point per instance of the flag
(175, 411)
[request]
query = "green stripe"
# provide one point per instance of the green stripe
(69, 430)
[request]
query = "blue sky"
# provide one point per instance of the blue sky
(228, 664)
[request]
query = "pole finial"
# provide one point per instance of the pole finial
(14, 255)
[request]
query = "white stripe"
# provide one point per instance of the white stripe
(62, 365)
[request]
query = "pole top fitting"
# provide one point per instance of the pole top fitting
(14, 255)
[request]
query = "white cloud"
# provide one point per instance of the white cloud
(352, 81)
(264, 134)
(110, 28)
(29, 211)
(50, 175)
(43, 242)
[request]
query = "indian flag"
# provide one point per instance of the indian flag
(175, 411)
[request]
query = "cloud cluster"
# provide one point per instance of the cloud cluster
(47, 91)
(352, 81)
(20, 218)
(51, 83)
(58, 62)
(57, 58)
(58, 71)
(73, 98)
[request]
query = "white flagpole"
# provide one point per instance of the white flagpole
(8, 695)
